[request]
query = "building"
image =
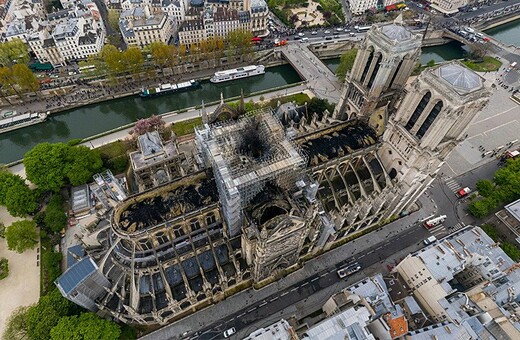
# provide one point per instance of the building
(156, 163)
(448, 6)
(139, 27)
(359, 7)
(462, 277)
(68, 35)
(259, 190)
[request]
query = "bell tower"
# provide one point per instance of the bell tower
(430, 121)
(383, 64)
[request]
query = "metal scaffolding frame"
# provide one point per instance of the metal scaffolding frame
(240, 176)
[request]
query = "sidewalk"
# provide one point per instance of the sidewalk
(239, 301)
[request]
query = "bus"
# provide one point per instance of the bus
(86, 68)
(434, 221)
(362, 28)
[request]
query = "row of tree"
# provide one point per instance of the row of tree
(504, 188)
(113, 61)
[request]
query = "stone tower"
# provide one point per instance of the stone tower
(383, 64)
(431, 119)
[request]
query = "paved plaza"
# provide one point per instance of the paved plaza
(22, 286)
(495, 126)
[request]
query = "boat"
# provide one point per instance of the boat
(10, 120)
(238, 73)
(169, 88)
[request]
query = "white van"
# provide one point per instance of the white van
(304, 40)
(430, 240)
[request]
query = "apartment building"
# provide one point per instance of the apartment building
(140, 27)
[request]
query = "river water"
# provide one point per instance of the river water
(508, 33)
(97, 118)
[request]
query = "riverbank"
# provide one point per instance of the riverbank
(498, 22)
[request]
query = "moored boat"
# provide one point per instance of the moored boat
(169, 88)
(238, 73)
(10, 120)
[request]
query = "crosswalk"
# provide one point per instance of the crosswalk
(443, 230)
(453, 185)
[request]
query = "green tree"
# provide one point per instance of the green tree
(133, 60)
(161, 54)
(55, 218)
(43, 316)
(431, 63)
(112, 58)
(85, 326)
(4, 268)
(81, 164)
(7, 79)
(491, 230)
(16, 326)
(25, 78)
(485, 187)
(240, 42)
(346, 63)
(14, 52)
(45, 165)
(20, 200)
(22, 235)
(113, 19)
(483, 207)
(511, 250)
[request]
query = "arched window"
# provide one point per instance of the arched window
(418, 110)
(430, 119)
(367, 66)
(374, 72)
(397, 69)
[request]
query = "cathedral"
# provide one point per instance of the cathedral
(252, 193)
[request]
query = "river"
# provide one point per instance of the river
(507, 33)
(97, 118)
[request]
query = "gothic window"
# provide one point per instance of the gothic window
(397, 69)
(210, 219)
(374, 72)
(178, 232)
(430, 119)
(418, 110)
(367, 66)
(195, 225)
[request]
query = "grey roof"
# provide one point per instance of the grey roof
(396, 32)
(514, 209)
(460, 77)
(80, 198)
(74, 253)
(150, 144)
(76, 274)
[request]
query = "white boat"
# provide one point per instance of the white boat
(238, 73)
(11, 120)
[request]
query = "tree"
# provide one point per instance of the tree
(14, 52)
(55, 218)
(20, 200)
(25, 78)
(485, 187)
(133, 60)
(477, 51)
(113, 19)
(16, 326)
(45, 165)
(7, 79)
(147, 125)
(22, 235)
(81, 164)
(161, 54)
(431, 63)
(85, 326)
(511, 250)
(346, 63)
(112, 58)
(43, 316)
(4, 268)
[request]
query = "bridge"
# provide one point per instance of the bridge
(318, 78)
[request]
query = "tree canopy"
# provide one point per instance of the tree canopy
(16, 325)
(14, 52)
(55, 218)
(504, 188)
(15, 195)
(51, 166)
(22, 235)
(346, 63)
(85, 326)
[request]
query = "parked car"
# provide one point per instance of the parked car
(314, 32)
(229, 332)
(430, 240)
(349, 270)
(327, 32)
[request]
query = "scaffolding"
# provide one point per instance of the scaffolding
(244, 155)
(106, 187)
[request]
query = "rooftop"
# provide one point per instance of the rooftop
(165, 203)
(337, 141)
(76, 274)
(461, 78)
(396, 32)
